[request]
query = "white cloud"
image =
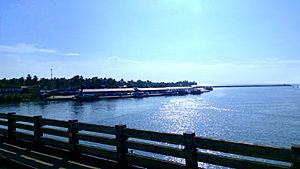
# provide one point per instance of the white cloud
(72, 54)
(272, 59)
(24, 48)
(120, 60)
(295, 61)
(113, 58)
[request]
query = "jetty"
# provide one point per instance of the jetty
(253, 85)
(115, 93)
(36, 142)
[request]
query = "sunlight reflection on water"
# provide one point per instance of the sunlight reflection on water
(186, 113)
(181, 112)
(269, 116)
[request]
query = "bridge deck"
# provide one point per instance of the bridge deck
(25, 155)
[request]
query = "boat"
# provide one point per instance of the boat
(170, 93)
(209, 88)
(139, 94)
(182, 92)
(196, 91)
(86, 97)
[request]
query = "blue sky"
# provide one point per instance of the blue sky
(208, 41)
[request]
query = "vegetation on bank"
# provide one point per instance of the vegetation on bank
(32, 85)
(80, 82)
(19, 97)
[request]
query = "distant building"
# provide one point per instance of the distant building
(10, 90)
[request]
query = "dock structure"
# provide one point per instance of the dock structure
(251, 85)
(138, 92)
(37, 142)
(113, 93)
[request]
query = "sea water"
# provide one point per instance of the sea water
(265, 115)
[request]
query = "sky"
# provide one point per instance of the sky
(207, 41)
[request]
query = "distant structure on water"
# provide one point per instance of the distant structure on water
(95, 94)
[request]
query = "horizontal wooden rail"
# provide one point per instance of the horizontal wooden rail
(23, 118)
(24, 126)
(24, 136)
(3, 116)
(96, 139)
(154, 136)
(55, 143)
(95, 128)
(98, 152)
(246, 149)
(82, 138)
(236, 162)
(158, 149)
(56, 123)
(55, 132)
(3, 123)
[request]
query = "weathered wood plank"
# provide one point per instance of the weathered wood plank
(24, 136)
(65, 154)
(159, 149)
(55, 143)
(154, 136)
(20, 152)
(122, 150)
(98, 152)
(3, 123)
(45, 160)
(295, 156)
(3, 115)
(10, 127)
(37, 129)
(23, 126)
(6, 162)
(3, 131)
(235, 162)
(280, 154)
(55, 132)
(23, 118)
(21, 161)
(149, 162)
(97, 139)
(95, 128)
(52, 122)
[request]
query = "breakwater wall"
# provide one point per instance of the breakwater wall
(261, 85)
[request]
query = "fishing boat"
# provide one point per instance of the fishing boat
(196, 91)
(86, 97)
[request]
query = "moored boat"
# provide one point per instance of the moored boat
(86, 97)
(196, 91)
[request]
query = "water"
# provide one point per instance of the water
(259, 115)
(269, 116)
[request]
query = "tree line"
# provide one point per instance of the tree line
(80, 82)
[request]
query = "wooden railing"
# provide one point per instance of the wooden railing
(82, 138)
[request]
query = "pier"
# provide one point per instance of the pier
(37, 142)
(115, 93)
(252, 85)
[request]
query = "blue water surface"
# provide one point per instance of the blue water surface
(266, 115)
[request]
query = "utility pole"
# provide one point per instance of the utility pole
(51, 73)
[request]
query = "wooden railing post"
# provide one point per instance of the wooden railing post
(295, 157)
(37, 130)
(11, 129)
(190, 149)
(120, 140)
(73, 139)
